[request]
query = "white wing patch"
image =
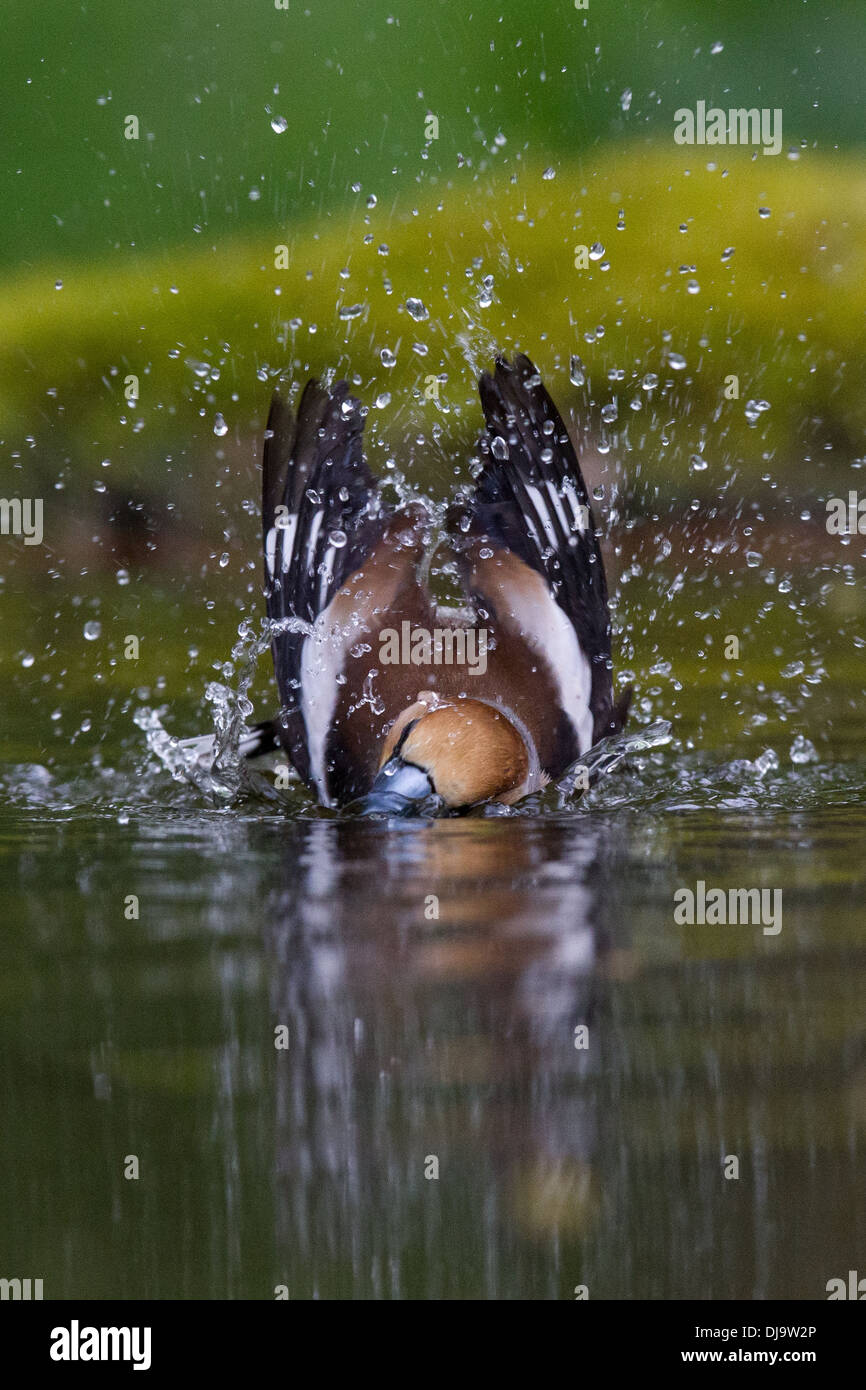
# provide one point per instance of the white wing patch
(322, 661)
(542, 624)
(534, 495)
(573, 516)
(280, 537)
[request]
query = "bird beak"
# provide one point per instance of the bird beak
(400, 789)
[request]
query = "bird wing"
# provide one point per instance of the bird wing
(335, 555)
(530, 555)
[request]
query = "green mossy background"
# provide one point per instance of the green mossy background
(163, 248)
(785, 313)
(156, 259)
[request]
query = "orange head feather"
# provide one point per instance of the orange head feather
(470, 752)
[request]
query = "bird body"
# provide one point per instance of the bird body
(374, 704)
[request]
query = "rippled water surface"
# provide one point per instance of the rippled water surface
(250, 1048)
(431, 976)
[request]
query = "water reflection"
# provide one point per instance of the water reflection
(454, 1038)
(432, 1024)
(415, 1037)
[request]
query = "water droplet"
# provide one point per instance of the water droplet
(692, 287)
(416, 310)
(91, 631)
(372, 200)
(549, 174)
(352, 311)
(499, 448)
(767, 762)
(728, 253)
(387, 358)
(803, 751)
(625, 99)
(764, 212)
(650, 381)
(677, 362)
(609, 413)
(27, 660)
(383, 399)
(223, 560)
(754, 410)
(279, 124)
(338, 539)
(122, 577)
(716, 47)
(596, 251)
(753, 559)
(577, 372)
(697, 464)
(58, 284)
(219, 425)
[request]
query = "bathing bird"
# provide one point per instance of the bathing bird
(389, 701)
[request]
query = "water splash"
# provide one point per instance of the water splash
(607, 755)
(215, 763)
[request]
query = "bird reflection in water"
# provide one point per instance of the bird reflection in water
(434, 1106)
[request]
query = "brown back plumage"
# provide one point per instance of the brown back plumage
(348, 566)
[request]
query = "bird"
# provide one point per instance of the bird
(390, 704)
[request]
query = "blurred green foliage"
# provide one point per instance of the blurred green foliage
(163, 248)
(205, 332)
(354, 83)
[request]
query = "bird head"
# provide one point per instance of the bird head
(462, 751)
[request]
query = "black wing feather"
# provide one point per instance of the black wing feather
(531, 499)
(315, 483)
